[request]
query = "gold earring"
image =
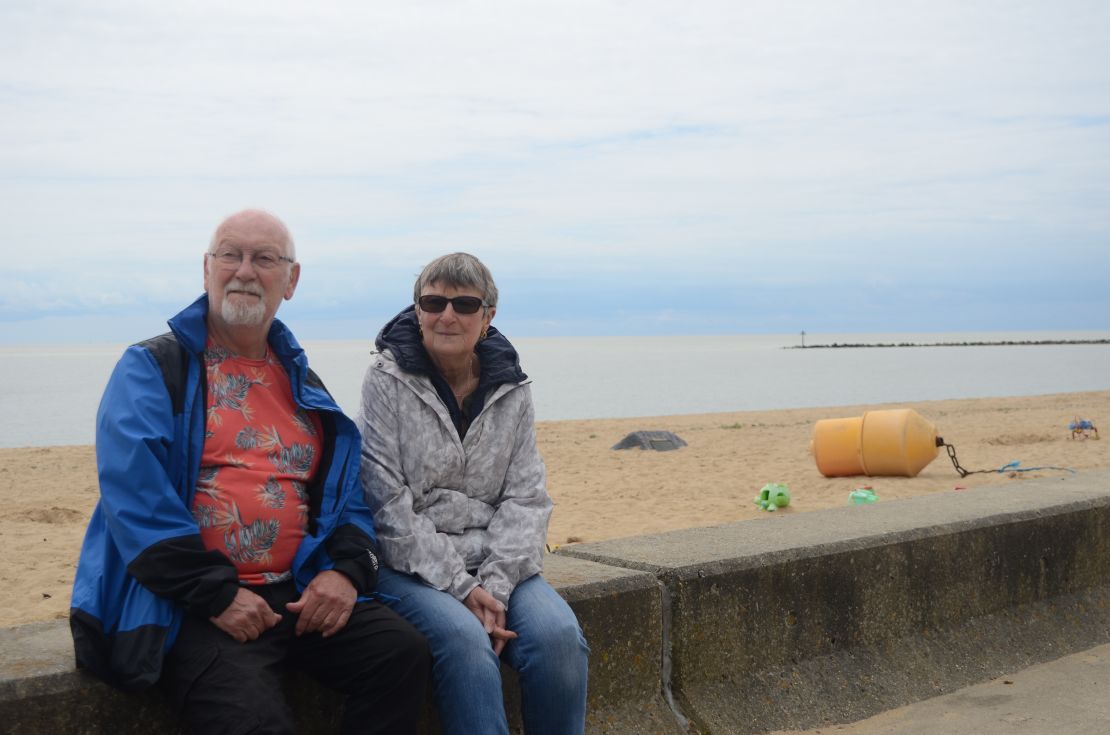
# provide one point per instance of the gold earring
(485, 333)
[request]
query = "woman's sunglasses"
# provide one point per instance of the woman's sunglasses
(461, 304)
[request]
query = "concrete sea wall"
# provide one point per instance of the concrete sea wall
(791, 621)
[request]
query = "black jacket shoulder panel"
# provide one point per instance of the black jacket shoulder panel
(312, 379)
(173, 360)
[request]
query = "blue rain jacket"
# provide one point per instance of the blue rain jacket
(142, 564)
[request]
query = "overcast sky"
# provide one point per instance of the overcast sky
(623, 167)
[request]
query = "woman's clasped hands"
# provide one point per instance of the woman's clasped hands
(491, 613)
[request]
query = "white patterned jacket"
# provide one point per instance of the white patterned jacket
(456, 512)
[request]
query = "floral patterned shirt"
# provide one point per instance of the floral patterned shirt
(260, 453)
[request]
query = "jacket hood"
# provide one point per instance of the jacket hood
(401, 336)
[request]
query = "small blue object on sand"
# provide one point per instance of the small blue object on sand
(1082, 429)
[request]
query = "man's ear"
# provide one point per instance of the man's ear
(294, 276)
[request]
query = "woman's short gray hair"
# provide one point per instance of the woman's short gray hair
(458, 270)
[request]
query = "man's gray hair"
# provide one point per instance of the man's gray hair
(290, 248)
(458, 270)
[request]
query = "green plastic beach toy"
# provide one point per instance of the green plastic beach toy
(862, 496)
(773, 495)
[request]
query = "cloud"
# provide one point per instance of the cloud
(769, 147)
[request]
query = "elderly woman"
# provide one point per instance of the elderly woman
(458, 489)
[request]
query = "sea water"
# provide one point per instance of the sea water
(50, 394)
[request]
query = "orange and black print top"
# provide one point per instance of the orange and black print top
(260, 453)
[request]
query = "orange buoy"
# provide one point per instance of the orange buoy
(897, 442)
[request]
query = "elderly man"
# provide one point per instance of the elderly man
(231, 537)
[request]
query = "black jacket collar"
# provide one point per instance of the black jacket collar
(401, 335)
(499, 364)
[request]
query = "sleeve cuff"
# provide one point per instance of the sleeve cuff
(500, 590)
(363, 573)
(354, 553)
(222, 600)
(461, 586)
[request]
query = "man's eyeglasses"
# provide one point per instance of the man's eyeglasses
(461, 304)
(264, 260)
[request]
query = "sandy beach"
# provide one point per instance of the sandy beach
(48, 492)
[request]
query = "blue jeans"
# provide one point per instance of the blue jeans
(549, 655)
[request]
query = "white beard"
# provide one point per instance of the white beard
(243, 313)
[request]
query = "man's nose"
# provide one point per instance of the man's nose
(246, 271)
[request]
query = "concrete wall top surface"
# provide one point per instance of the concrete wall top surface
(784, 536)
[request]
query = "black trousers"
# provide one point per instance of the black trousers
(221, 686)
